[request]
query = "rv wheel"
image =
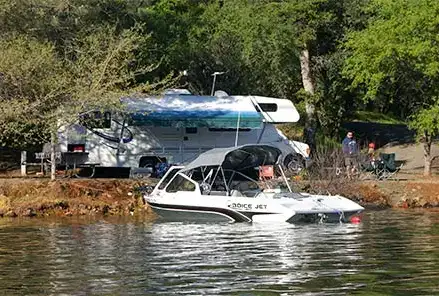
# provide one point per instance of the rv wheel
(148, 166)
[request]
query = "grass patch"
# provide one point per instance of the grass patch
(368, 116)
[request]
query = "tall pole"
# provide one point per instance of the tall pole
(23, 163)
(214, 80)
(213, 84)
(237, 129)
(53, 142)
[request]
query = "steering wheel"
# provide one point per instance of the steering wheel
(205, 188)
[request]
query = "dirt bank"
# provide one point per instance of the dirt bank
(40, 197)
(416, 193)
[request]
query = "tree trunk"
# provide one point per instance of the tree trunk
(309, 132)
(308, 82)
(427, 154)
(53, 143)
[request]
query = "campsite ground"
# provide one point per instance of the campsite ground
(398, 139)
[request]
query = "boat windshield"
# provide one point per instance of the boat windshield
(180, 183)
(168, 176)
(218, 181)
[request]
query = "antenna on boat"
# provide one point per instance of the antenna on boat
(237, 128)
(214, 80)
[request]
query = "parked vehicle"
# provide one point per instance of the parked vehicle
(176, 127)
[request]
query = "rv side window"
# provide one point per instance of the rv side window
(215, 129)
(97, 119)
(168, 178)
(191, 130)
(180, 183)
(267, 107)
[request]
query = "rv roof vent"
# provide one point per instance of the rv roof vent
(221, 93)
(177, 91)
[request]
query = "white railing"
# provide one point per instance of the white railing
(47, 155)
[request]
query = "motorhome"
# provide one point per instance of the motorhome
(176, 127)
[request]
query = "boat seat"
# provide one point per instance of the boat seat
(251, 193)
(235, 193)
(218, 193)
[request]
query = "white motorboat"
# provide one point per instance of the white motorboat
(242, 184)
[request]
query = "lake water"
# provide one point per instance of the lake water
(389, 253)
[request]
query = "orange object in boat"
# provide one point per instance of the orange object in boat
(266, 171)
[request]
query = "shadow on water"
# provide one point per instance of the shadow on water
(389, 253)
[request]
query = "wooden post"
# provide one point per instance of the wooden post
(53, 143)
(23, 163)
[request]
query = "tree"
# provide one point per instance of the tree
(426, 124)
(48, 92)
(396, 59)
(251, 42)
(31, 76)
(272, 40)
(47, 83)
(169, 24)
(259, 44)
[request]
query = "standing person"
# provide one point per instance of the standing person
(350, 153)
(309, 137)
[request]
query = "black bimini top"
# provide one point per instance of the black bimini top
(237, 158)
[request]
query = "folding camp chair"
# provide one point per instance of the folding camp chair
(387, 167)
(368, 167)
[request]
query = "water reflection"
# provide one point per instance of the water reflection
(390, 252)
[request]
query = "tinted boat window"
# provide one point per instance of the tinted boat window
(180, 183)
(168, 178)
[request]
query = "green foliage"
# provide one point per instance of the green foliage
(257, 44)
(368, 116)
(253, 43)
(426, 121)
(32, 77)
(396, 60)
(169, 23)
(396, 54)
(28, 67)
(327, 143)
(62, 58)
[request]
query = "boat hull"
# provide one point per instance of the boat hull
(175, 215)
(344, 217)
(197, 213)
(222, 212)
